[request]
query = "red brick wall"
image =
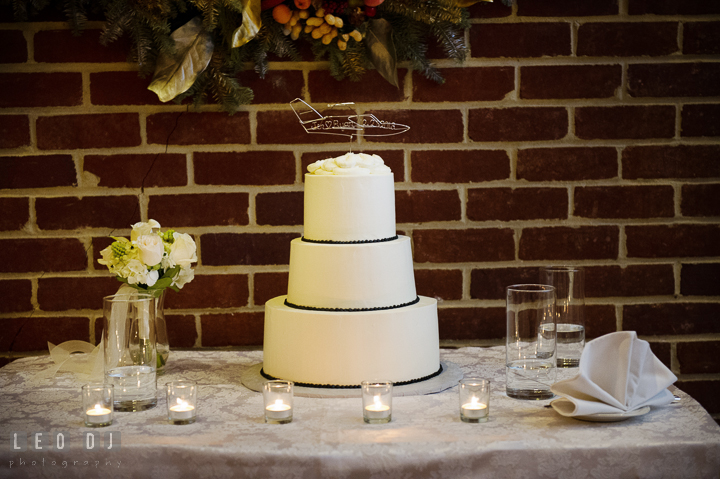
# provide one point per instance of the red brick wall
(577, 132)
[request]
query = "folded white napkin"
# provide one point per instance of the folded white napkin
(618, 374)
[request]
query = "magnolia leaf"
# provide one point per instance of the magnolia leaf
(381, 49)
(250, 25)
(468, 3)
(176, 74)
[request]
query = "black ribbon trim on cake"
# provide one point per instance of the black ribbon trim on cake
(351, 310)
(383, 240)
(336, 386)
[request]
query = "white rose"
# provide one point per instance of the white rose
(151, 249)
(184, 276)
(182, 251)
(140, 229)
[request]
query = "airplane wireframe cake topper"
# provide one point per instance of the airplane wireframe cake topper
(345, 125)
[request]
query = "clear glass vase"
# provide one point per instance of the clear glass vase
(161, 335)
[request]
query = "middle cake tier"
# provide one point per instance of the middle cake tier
(351, 276)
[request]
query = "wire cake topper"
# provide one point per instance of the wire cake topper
(345, 125)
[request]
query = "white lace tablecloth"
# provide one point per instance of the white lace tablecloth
(328, 438)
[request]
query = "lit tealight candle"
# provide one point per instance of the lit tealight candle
(278, 410)
(182, 411)
(98, 415)
(377, 410)
(474, 409)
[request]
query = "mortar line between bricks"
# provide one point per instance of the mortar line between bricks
(470, 62)
(252, 206)
(620, 18)
(571, 223)
(623, 9)
(198, 331)
(680, 35)
(574, 26)
(475, 146)
(251, 290)
(143, 111)
(252, 124)
(464, 285)
(463, 194)
(677, 198)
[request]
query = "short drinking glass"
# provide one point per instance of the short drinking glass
(377, 401)
(97, 400)
(181, 402)
(278, 400)
(474, 399)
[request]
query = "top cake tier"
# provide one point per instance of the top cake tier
(347, 208)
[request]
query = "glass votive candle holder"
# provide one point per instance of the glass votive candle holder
(97, 401)
(377, 401)
(278, 400)
(474, 399)
(181, 402)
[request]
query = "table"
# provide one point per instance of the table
(328, 438)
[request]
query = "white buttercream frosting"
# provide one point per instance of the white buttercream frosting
(350, 164)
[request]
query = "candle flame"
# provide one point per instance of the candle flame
(278, 402)
(474, 401)
(376, 400)
(98, 407)
(181, 402)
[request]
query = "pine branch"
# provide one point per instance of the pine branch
(225, 88)
(354, 59)
(20, 10)
(428, 11)
(410, 46)
(270, 39)
(210, 10)
(23, 9)
(143, 53)
(451, 39)
(75, 12)
(118, 18)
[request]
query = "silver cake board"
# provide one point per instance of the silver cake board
(449, 377)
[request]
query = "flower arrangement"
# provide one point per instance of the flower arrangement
(151, 261)
(196, 48)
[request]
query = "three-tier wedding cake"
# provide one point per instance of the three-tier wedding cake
(351, 312)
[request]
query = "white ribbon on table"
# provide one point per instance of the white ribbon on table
(78, 357)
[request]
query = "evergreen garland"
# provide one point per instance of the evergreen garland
(150, 23)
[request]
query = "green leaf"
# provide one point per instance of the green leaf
(161, 283)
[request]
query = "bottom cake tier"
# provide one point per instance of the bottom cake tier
(325, 348)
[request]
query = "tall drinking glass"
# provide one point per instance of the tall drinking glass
(130, 350)
(530, 342)
(569, 284)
